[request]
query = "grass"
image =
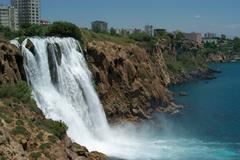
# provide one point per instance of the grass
(58, 129)
(184, 62)
(52, 138)
(35, 155)
(45, 146)
(19, 92)
(20, 130)
(88, 35)
(19, 122)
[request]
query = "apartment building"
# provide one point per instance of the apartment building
(9, 17)
(28, 11)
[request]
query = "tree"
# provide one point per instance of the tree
(64, 29)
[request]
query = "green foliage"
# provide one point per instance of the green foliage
(35, 155)
(6, 118)
(64, 29)
(5, 115)
(184, 62)
(2, 157)
(34, 30)
(172, 64)
(19, 122)
(141, 37)
(236, 45)
(6, 33)
(19, 92)
(20, 130)
(44, 146)
(88, 35)
(58, 129)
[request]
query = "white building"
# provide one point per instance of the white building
(28, 11)
(9, 17)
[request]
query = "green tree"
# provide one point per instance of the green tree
(64, 29)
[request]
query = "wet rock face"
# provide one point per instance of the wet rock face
(30, 46)
(54, 52)
(128, 79)
(11, 64)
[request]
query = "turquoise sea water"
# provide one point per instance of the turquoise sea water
(212, 116)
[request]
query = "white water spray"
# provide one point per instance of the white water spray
(63, 90)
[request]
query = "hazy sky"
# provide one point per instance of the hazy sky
(220, 16)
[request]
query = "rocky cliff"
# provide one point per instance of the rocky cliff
(24, 131)
(11, 64)
(222, 57)
(130, 81)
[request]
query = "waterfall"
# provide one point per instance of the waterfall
(63, 89)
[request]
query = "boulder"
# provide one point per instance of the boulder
(30, 46)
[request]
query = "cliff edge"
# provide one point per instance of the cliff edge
(130, 81)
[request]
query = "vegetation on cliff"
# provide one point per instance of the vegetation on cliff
(26, 134)
(24, 131)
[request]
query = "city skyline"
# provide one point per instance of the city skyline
(218, 16)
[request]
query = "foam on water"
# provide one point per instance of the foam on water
(69, 96)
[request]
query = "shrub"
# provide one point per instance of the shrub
(44, 146)
(58, 129)
(19, 92)
(20, 130)
(35, 155)
(35, 30)
(19, 122)
(64, 29)
(141, 37)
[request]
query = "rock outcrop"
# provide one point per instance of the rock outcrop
(11, 64)
(218, 58)
(222, 57)
(130, 82)
(26, 134)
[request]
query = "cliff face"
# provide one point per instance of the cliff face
(24, 131)
(222, 57)
(131, 82)
(11, 64)
(26, 134)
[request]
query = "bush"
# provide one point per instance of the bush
(19, 92)
(19, 122)
(44, 146)
(20, 130)
(64, 29)
(58, 129)
(7, 33)
(34, 30)
(35, 155)
(141, 37)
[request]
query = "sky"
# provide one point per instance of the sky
(218, 16)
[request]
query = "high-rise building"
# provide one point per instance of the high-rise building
(99, 26)
(149, 30)
(28, 11)
(195, 37)
(210, 35)
(9, 17)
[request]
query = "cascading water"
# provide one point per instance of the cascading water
(63, 89)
